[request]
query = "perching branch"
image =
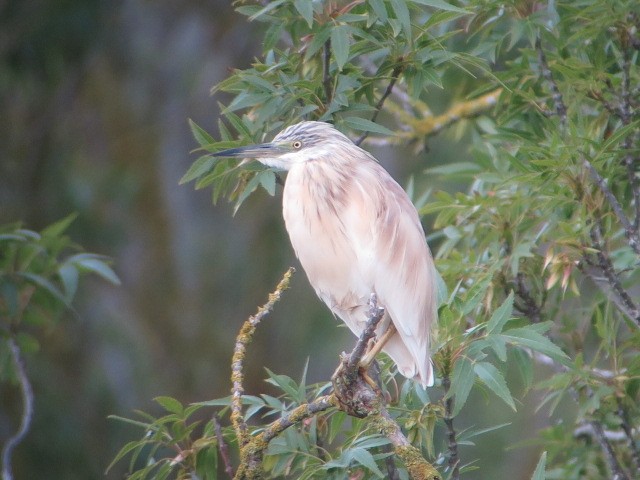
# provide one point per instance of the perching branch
(395, 74)
(237, 363)
(352, 394)
(556, 96)
(27, 413)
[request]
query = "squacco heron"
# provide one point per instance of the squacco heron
(356, 232)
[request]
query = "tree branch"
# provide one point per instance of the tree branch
(355, 396)
(606, 266)
(326, 77)
(237, 363)
(424, 124)
(454, 460)
(27, 413)
(395, 74)
(612, 461)
(629, 230)
(223, 447)
(558, 102)
(625, 425)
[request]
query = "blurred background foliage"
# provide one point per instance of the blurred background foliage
(94, 102)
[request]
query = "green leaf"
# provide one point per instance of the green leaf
(492, 378)
(529, 337)
(45, 285)
(501, 315)
(201, 136)
(305, 9)
(441, 5)
(364, 125)
(68, 274)
(59, 227)
(170, 404)
(402, 14)
(198, 168)
(268, 181)
(96, 264)
(340, 44)
(364, 458)
(462, 379)
(539, 472)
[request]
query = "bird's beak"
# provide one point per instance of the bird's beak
(264, 150)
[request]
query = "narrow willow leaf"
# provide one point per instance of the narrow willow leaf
(501, 315)
(268, 181)
(198, 168)
(45, 285)
(539, 472)
(202, 137)
(305, 9)
(462, 379)
(492, 378)
(365, 125)
(364, 458)
(170, 404)
(528, 337)
(402, 14)
(99, 267)
(59, 227)
(441, 5)
(340, 45)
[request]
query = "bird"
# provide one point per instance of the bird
(356, 233)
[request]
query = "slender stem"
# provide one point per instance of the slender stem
(612, 461)
(27, 413)
(223, 447)
(630, 232)
(237, 363)
(606, 266)
(558, 102)
(454, 460)
(326, 76)
(394, 78)
(625, 424)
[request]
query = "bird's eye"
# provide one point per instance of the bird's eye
(297, 144)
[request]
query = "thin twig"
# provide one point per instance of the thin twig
(630, 232)
(27, 413)
(298, 414)
(223, 447)
(625, 425)
(454, 460)
(558, 102)
(390, 463)
(612, 461)
(237, 363)
(326, 76)
(606, 266)
(395, 74)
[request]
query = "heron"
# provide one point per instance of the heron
(356, 233)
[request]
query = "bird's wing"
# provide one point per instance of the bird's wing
(392, 251)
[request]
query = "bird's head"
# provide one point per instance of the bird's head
(299, 143)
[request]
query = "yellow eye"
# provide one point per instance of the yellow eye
(297, 144)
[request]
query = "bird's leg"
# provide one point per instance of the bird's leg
(379, 345)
